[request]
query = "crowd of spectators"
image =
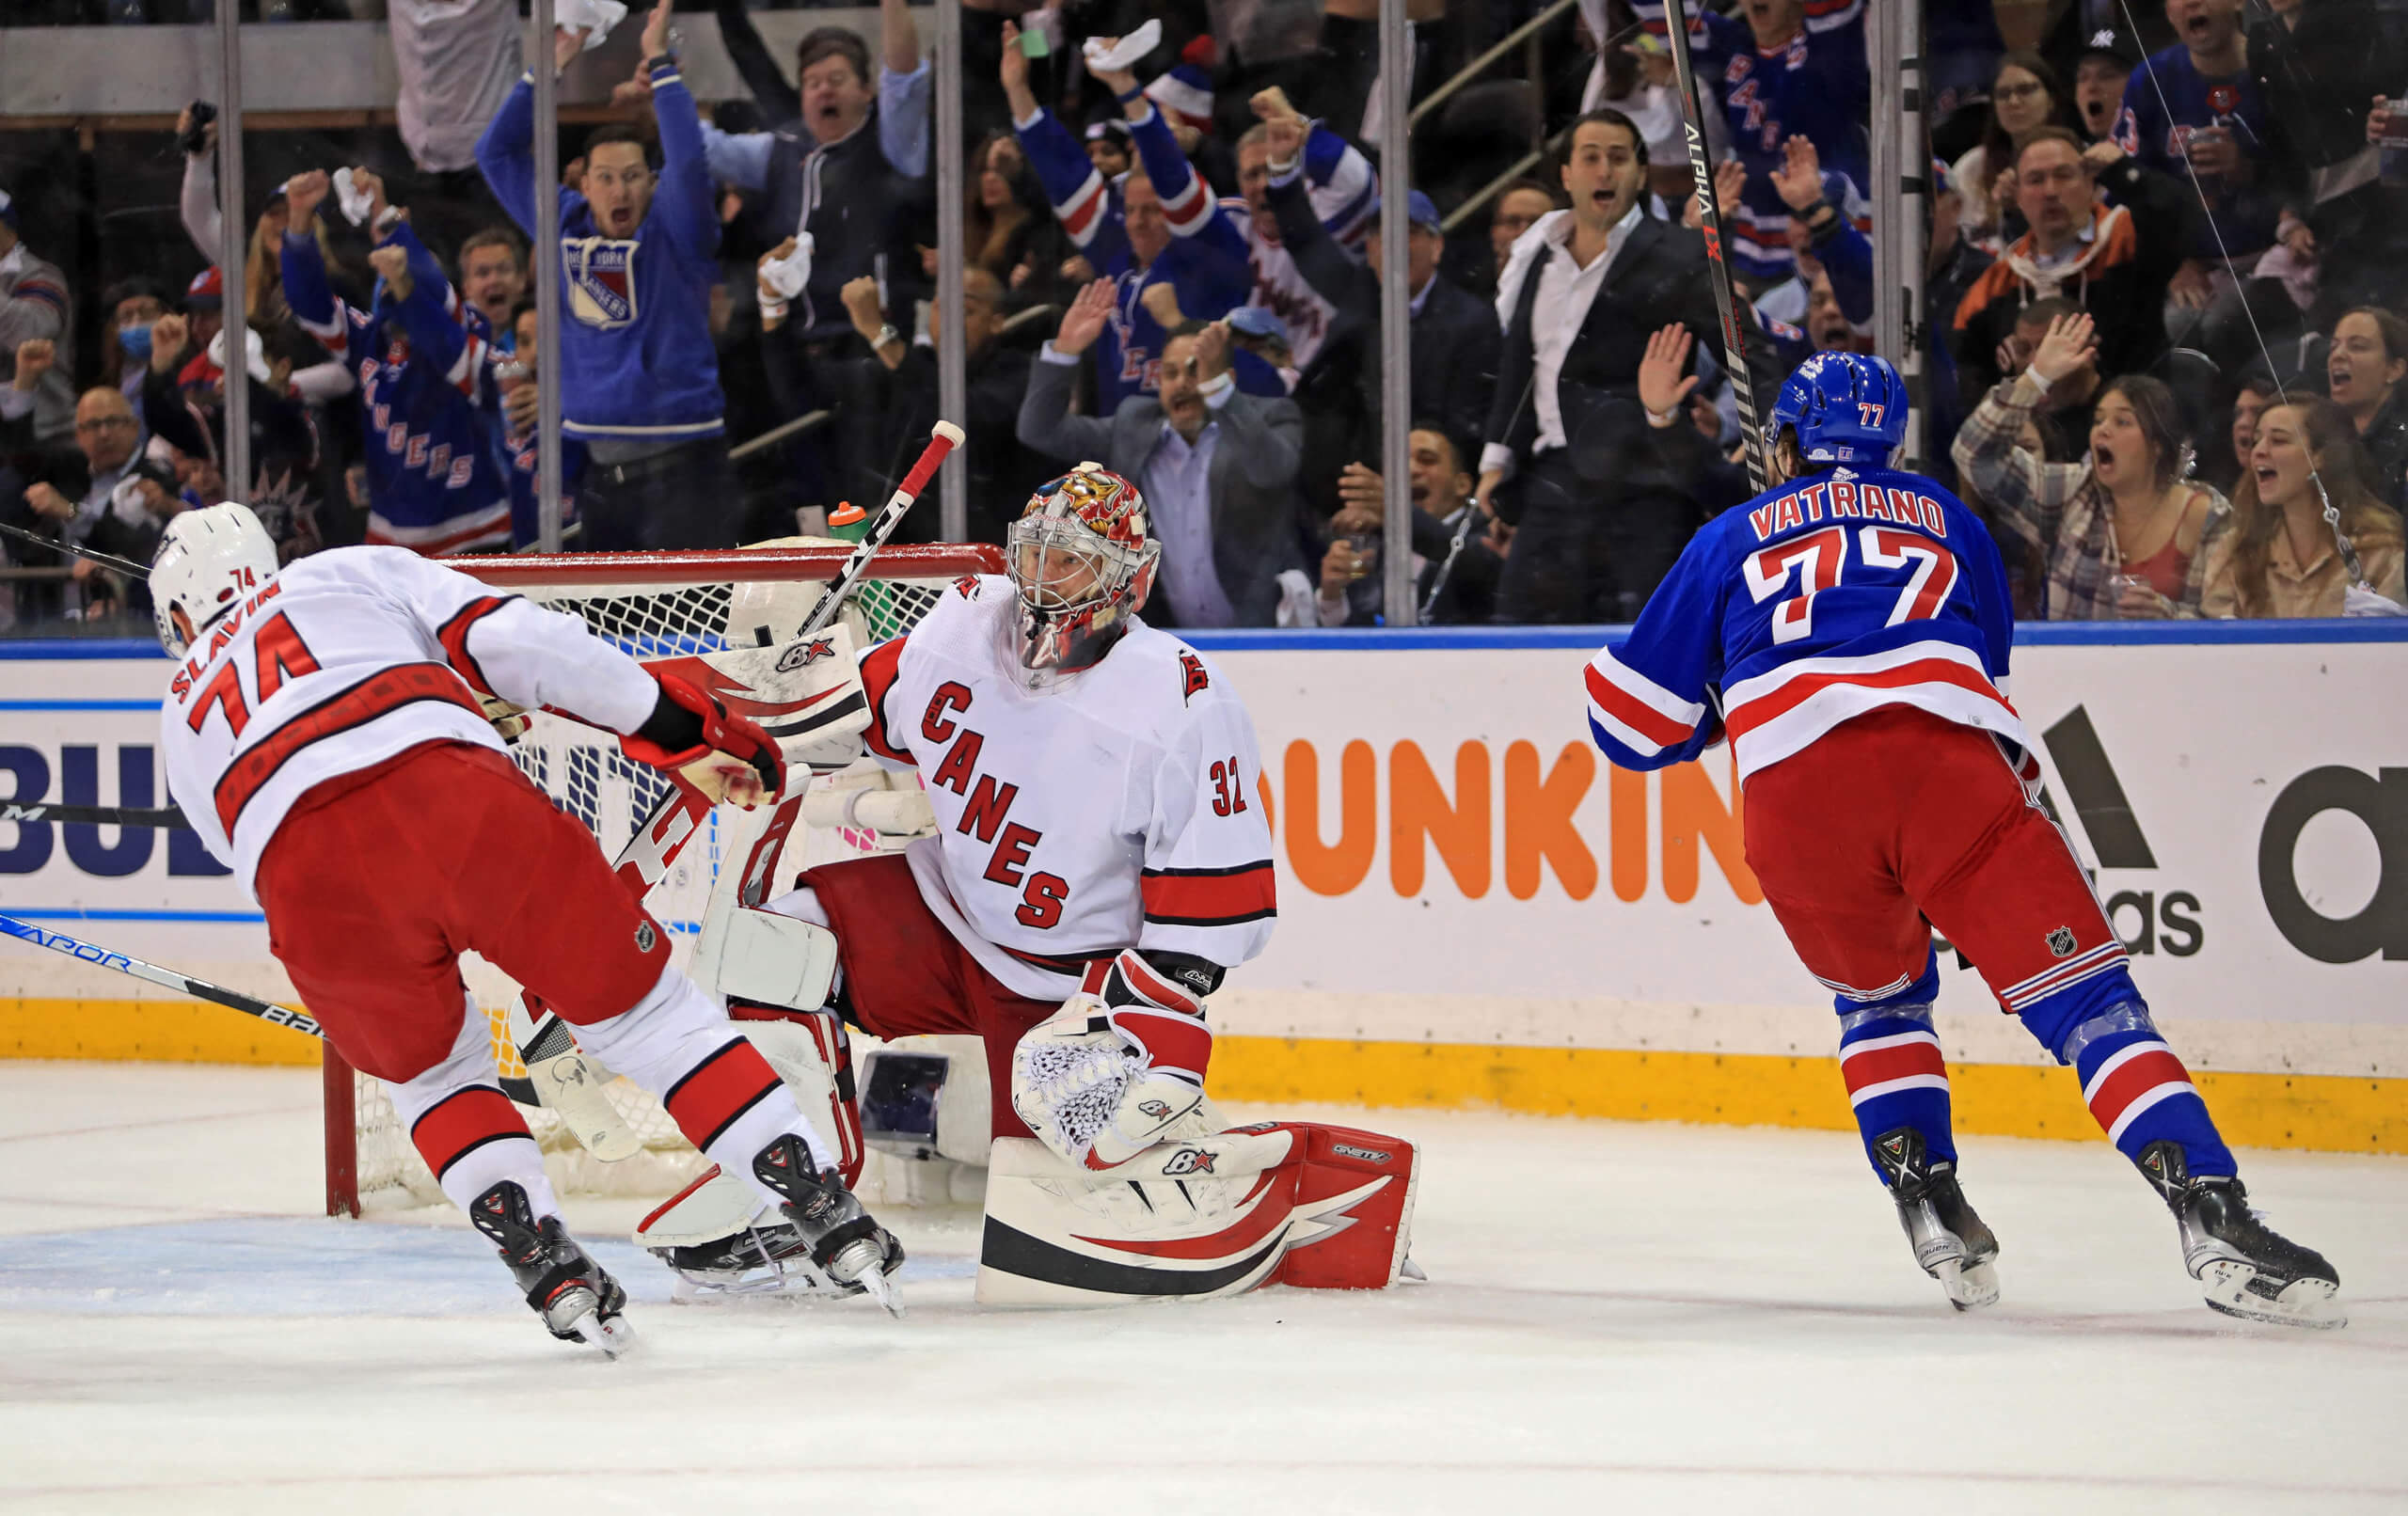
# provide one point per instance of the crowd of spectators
(2164, 282)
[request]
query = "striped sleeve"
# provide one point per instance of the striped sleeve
(1647, 698)
(1081, 199)
(1344, 190)
(1208, 886)
(1188, 202)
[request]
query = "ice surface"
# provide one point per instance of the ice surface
(1621, 1317)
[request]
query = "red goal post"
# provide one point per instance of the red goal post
(653, 605)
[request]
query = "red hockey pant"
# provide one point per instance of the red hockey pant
(1897, 818)
(377, 881)
(906, 977)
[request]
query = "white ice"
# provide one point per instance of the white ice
(1625, 1318)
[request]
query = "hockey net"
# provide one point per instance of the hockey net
(654, 606)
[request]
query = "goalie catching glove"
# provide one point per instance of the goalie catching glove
(720, 754)
(1122, 1061)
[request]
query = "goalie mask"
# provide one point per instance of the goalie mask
(1083, 559)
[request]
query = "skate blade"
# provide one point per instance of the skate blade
(880, 1287)
(1410, 1269)
(614, 1336)
(2303, 1303)
(1970, 1286)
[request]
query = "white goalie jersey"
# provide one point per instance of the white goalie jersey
(1110, 808)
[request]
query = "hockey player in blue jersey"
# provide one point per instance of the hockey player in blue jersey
(1849, 630)
(433, 483)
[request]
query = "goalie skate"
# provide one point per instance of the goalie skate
(1951, 1243)
(2244, 1266)
(577, 1299)
(723, 1245)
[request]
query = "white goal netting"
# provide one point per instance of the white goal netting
(656, 606)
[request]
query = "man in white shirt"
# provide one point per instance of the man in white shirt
(1600, 515)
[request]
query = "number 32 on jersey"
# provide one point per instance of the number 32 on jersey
(1807, 566)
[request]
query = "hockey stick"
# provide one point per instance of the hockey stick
(106, 561)
(182, 984)
(1735, 342)
(95, 815)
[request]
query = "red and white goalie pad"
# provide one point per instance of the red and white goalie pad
(1274, 1203)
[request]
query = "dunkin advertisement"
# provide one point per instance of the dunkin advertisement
(1457, 863)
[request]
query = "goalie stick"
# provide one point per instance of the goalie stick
(1734, 342)
(182, 984)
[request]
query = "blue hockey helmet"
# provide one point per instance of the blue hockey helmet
(1848, 409)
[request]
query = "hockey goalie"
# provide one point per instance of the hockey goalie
(1088, 860)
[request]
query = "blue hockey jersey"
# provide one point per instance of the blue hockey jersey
(1826, 597)
(456, 340)
(1815, 86)
(433, 483)
(2166, 100)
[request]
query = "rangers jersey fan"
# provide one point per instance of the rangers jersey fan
(1111, 810)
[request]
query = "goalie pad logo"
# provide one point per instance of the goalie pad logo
(803, 655)
(1189, 1160)
(1159, 1109)
(646, 937)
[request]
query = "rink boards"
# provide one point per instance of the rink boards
(1476, 911)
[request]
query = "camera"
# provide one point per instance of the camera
(193, 139)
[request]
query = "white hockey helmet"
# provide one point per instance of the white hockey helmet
(208, 560)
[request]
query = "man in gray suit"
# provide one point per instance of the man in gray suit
(1217, 468)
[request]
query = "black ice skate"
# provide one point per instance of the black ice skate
(577, 1299)
(2248, 1269)
(844, 1244)
(1954, 1245)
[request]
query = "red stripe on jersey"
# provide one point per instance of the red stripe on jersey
(462, 1122)
(1745, 718)
(1209, 897)
(491, 531)
(1635, 713)
(453, 635)
(1880, 1066)
(381, 695)
(1078, 217)
(718, 1090)
(878, 670)
(1189, 208)
(2133, 1079)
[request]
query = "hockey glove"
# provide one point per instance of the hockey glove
(1121, 1062)
(720, 754)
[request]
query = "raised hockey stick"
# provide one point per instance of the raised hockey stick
(96, 815)
(182, 984)
(1734, 342)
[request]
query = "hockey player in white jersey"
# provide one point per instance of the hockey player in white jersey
(326, 732)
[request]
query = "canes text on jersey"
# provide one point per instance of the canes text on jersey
(989, 803)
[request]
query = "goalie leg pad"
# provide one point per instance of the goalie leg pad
(813, 1054)
(1289, 1202)
(769, 958)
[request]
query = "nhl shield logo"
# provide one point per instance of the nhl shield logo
(2061, 942)
(646, 937)
(601, 274)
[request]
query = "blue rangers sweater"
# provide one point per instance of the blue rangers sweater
(637, 360)
(1815, 86)
(1818, 601)
(2158, 136)
(434, 484)
(1207, 269)
(455, 338)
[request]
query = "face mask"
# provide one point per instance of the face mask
(135, 337)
